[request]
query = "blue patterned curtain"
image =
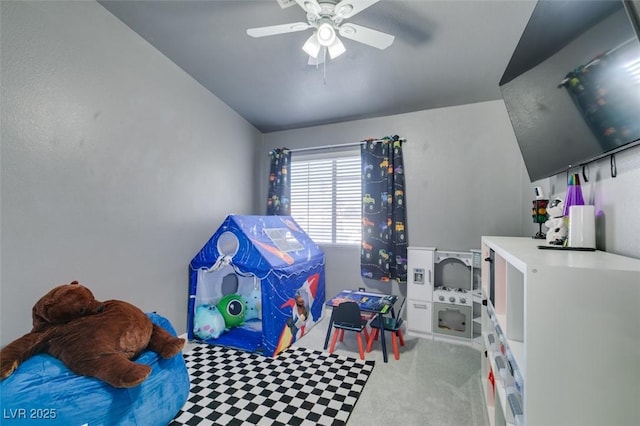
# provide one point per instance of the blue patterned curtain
(279, 189)
(383, 255)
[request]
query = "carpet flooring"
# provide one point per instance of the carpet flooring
(298, 387)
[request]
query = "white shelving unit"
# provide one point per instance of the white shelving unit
(476, 294)
(560, 334)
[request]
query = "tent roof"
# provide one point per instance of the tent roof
(260, 244)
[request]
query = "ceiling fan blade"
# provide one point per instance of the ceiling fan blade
(347, 8)
(366, 35)
(310, 6)
(278, 29)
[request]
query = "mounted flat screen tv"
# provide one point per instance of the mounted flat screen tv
(572, 86)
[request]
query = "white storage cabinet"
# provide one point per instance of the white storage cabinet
(561, 335)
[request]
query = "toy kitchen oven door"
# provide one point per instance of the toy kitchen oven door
(452, 298)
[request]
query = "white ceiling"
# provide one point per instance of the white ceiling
(445, 53)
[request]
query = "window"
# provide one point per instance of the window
(325, 196)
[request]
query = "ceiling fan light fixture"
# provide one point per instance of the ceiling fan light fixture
(312, 46)
(326, 34)
(336, 48)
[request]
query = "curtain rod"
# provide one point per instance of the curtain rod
(316, 148)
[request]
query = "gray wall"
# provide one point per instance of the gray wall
(114, 171)
(465, 178)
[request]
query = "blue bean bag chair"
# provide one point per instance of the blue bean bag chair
(44, 391)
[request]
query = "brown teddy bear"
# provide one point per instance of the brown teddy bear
(96, 339)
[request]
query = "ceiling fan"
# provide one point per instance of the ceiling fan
(327, 17)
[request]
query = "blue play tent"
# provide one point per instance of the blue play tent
(273, 267)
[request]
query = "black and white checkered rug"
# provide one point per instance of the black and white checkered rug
(298, 387)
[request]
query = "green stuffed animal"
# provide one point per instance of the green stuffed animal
(233, 310)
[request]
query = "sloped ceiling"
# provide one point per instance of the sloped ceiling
(445, 53)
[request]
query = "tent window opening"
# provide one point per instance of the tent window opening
(326, 195)
(283, 239)
(229, 284)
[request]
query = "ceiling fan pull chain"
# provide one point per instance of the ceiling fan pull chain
(324, 66)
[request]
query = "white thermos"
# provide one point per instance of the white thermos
(582, 226)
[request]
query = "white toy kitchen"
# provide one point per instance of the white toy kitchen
(443, 294)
